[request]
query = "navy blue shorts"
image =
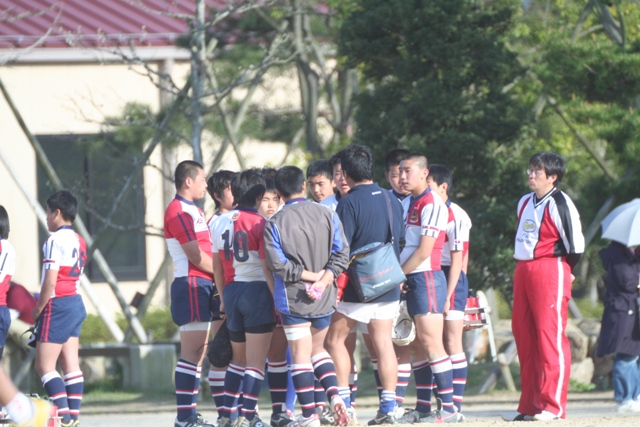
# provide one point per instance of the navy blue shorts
(249, 308)
(459, 298)
(427, 292)
(5, 322)
(192, 300)
(61, 319)
(318, 323)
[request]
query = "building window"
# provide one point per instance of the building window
(96, 172)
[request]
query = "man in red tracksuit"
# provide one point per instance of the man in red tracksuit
(548, 245)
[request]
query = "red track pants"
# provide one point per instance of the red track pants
(541, 293)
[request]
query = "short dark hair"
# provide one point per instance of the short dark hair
(418, 158)
(186, 169)
(66, 202)
(218, 182)
(394, 157)
(269, 172)
(552, 163)
(247, 187)
(335, 160)
(4, 223)
(320, 167)
(289, 180)
(357, 162)
(441, 174)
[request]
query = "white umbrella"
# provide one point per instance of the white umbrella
(623, 224)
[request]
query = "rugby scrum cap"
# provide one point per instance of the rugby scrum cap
(404, 331)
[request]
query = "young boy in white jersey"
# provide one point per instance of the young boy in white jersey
(426, 286)
(247, 287)
(60, 310)
(219, 188)
(455, 257)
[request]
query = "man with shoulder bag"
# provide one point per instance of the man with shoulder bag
(368, 217)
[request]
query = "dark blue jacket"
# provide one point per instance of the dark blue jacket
(365, 220)
(620, 332)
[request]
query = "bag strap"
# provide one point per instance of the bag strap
(390, 212)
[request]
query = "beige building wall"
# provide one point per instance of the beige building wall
(75, 99)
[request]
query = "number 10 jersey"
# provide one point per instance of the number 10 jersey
(238, 238)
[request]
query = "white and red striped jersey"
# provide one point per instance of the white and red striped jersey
(457, 235)
(547, 228)
(238, 236)
(427, 216)
(217, 228)
(64, 251)
(7, 268)
(184, 222)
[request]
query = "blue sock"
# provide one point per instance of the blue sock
(319, 395)
(232, 387)
(459, 365)
(353, 385)
(325, 372)
(387, 401)
(56, 390)
(253, 379)
(422, 375)
(345, 394)
(443, 376)
(74, 384)
(303, 377)
(216, 383)
(186, 378)
(404, 372)
(278, 382)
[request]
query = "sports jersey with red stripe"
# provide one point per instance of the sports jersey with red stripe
(427, 216)
(547, 228)
(65, 251)
(239, 239)
(217, 226)
(457, 232)
(184, 222)
(7, 268)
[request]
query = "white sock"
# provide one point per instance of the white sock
(20, 409)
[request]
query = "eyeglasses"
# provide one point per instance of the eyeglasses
(536, 172)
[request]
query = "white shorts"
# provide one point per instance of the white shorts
(359, 327)
(365, 312)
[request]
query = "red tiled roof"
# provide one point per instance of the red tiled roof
(95, 22)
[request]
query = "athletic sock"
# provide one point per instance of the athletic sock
(423, 377)
(277, 379)
(74, 384)
(353, 384)
(185, 378)
(319, 395)
(253, 379)
(404, 373)
(345, 394)
(387, 401)
(443, 376)
(56, 390)
(325, 372)
(19, 409)
(302, 375)
(216, 384)
(232, 388)
(459, 366)
(376, 375)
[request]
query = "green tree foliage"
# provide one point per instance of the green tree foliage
(435, 74)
